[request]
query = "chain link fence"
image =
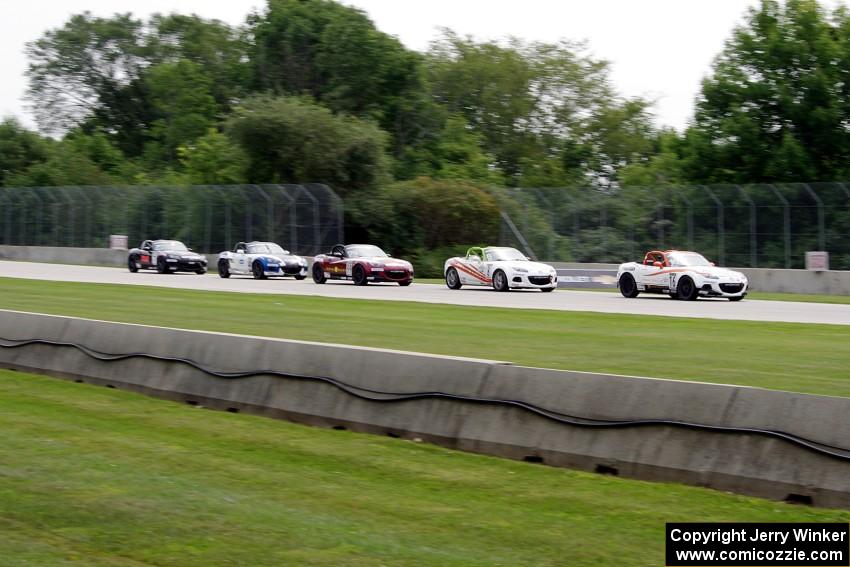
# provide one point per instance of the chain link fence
(306, 219)
(759, 226)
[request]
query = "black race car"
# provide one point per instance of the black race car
(166, 256)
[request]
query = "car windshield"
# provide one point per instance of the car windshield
(364, 251)
(684, 259)
(265, 248)
(504, 255)
(173, 245)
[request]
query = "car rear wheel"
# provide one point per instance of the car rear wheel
(132, 264)
(500, 281)
(453, 279)
(687, 289)
(223, 269)
(257, 271)
(359, 275)
(627, 286)
(319, 274)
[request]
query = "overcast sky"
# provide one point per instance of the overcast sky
(659, 49)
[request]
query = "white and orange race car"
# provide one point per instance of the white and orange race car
(502, 268)
(681, 275)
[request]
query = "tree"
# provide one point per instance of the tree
(180, 95)
(292, 140)
(219, 51)
(214, 160)
(336, 55)
(777, 104)
(545, 111)
(109, 75)
(19, 149)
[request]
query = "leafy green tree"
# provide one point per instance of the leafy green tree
(85, 68)
(334, 54)
(71, 161)
(19, 149)
(777, 104)
(218, 50)
(547, 112)
(292, 140)
(214, 160)
(180, 95)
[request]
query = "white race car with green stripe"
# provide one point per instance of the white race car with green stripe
(499, 267)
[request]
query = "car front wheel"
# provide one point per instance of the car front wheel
(359, 275)
(223, 269)
(453, 279)
(627, 286)
(500, 281)
(687, 289)
(319, 274)
(161, 266)
(257, 271)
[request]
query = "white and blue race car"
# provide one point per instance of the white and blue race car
(261, 260)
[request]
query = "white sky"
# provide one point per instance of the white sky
(660, 49)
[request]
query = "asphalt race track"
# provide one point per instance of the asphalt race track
(561, 300)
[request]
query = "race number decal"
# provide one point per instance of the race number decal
(348, 268)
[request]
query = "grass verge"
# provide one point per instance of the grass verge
(784, 356)
(103, 477)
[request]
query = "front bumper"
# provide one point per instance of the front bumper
(533, 281)
(285, 270)
(182, 265)
(722, 288)
(391, 276)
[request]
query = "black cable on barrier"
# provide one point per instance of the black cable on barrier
(361, 392)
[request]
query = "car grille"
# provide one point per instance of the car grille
(395, 274)
(540, 280)
(731, 287)
(292, 270)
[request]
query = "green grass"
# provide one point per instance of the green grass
(758, 295)
(785, 356)
(93, 476)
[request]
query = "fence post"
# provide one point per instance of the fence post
(689, 215)
(721, 230)
(821, 231)
(7, 224)
(550, 244)
(753, 228)
(786, 218)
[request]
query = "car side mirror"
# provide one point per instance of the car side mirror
(711, 263)
(658, 264)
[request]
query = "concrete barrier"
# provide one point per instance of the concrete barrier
(742, 461)
(78, 256)
(62, 255)
(827, 282)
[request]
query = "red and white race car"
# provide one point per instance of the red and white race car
(361, 263)
(681, 275)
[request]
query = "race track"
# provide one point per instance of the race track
(561, 300)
